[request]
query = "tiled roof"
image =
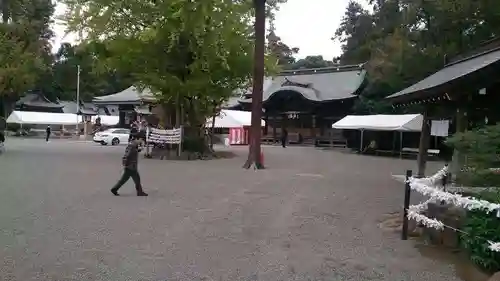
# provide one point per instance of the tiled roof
(36, 100)
(450, 74)
(131, 95)
(317, 85)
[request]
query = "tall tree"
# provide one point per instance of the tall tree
(283, 54)
(191, 54)
(355, 32)
(399, 35)
(25, 47)
(60, 82)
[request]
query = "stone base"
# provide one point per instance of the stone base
(495, 277)
(172, 155)
(449, 215)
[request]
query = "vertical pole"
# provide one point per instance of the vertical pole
(275, 122)
(404, 232)
(400, 144)
(424, 143)
(313, 131)
(361, 141)
(77, 100)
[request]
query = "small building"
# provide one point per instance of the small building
(130, 102)
(307, 102)
(37, 102)
(464, 90)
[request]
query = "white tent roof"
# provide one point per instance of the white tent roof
(232, 119)
(405, 122)
(42, 118)
(45, 118)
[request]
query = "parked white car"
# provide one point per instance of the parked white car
(112, 136)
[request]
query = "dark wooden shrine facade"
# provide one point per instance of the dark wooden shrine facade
(37, 102)
(466, 91)
(307, 102)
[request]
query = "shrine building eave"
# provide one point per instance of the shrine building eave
(467, 74)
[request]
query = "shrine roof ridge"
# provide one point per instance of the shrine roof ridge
(329, 69)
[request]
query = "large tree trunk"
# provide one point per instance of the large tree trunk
(258, 81)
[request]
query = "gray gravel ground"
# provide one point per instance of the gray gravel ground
(312, 215)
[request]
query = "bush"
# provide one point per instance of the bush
(486, 226)
(480, 146)
(479, 178)
(194, 144)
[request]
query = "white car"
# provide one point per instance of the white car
(112, 136)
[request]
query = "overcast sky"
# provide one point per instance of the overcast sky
(306, 24)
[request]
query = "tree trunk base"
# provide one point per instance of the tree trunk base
(256, 164)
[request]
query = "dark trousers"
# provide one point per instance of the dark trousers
(47, 136)
(127, 174)
(283, 142)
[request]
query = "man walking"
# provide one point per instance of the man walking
(47, 133)
(129, 162)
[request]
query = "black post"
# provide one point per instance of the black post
(404, 233)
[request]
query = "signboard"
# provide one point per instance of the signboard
(173, 136)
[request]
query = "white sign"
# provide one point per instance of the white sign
(173, 136)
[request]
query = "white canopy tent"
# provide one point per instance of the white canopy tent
(46, 118)
(232, 119)
(42, 118)
(398, 123)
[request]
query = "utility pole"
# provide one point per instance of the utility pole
(78, 100)
(254, 151)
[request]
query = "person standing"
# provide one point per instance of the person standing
(284, 137)
(2, 141)
(129, 161)
(47, 133)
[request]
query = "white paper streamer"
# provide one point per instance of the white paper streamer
(428, 186)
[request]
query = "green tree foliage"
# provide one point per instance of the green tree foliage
(191, 53)
(310, 62)
(24, 47)
(399, 35)
(60, 81)
(480, 146)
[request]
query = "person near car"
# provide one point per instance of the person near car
(48, 131)
(134, 129)
(129, 162)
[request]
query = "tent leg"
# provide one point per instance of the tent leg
(361, 142)
(400, 144)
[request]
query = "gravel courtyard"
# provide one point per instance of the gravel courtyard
(312, 215)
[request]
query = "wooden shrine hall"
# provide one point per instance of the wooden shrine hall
(132, 103)
(307, 102)
(465, 91)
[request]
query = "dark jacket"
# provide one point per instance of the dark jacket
(131, 157)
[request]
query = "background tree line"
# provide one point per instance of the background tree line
(393, 39)
(403, 41)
